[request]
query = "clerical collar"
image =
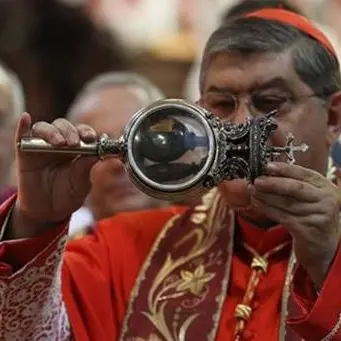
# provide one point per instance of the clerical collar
(259, 239)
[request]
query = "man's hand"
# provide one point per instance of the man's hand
(50, 186)
(308, 205)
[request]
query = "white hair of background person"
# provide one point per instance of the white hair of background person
(147, 91)
(17, 99)
(10, 84)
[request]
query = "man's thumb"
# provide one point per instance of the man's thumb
(23, 127)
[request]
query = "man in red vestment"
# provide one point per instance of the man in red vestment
(249, 262)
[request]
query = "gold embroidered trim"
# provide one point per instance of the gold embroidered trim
(166, 286)
(225, 282)
(286, 296)
(141, 277)
(198, 218)
(334, 331)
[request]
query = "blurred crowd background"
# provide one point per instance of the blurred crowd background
(56, 46)
(60, 55)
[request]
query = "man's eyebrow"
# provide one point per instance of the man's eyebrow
(217, 89)
(277, 82)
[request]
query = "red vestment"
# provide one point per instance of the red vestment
(99, 271)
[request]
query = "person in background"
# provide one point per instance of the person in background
(243, 7)
(107, 103)
(334, 173)
(12, 104)
(55, 49)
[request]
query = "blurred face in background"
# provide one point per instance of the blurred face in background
(7, 129)
(108, 110)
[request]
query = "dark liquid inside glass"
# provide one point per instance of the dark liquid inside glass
(170, 146)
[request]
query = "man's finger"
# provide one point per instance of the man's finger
(86, 133)
(299, 190)
(48, 132)
(282, 169)
(272, 213)
(289, 204)
(67, 130)
(298, 227)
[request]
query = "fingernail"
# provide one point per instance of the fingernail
(90, 132)
(74, 141)
(59, 139)
(260, 179)
(258, 184)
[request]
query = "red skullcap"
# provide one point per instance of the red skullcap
(295, 20)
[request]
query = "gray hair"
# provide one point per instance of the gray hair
(17, 97)
(314, 64)
(149, 91)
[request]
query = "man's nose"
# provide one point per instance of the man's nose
(241, 114)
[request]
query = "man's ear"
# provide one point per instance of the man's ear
(334, 118)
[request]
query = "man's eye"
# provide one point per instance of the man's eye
(268, 103)
(222, 109)
(224, 104)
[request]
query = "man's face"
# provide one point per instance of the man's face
(7, 128)
(271, 79)
(108, 111)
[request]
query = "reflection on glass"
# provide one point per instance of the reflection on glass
(170, 146)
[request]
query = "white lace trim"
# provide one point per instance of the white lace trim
(31, 305)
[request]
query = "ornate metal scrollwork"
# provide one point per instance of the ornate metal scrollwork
(172, 147)
(244, 150)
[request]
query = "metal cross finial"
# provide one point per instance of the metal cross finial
(289, 149)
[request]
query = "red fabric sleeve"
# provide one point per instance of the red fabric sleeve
(86, 289)
(320, 314)
(95, 273)
(14, 254)
(100, 269)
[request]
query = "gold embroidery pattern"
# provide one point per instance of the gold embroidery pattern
(156, 313)
(184, 277)
(195, 281)
(151, 337)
